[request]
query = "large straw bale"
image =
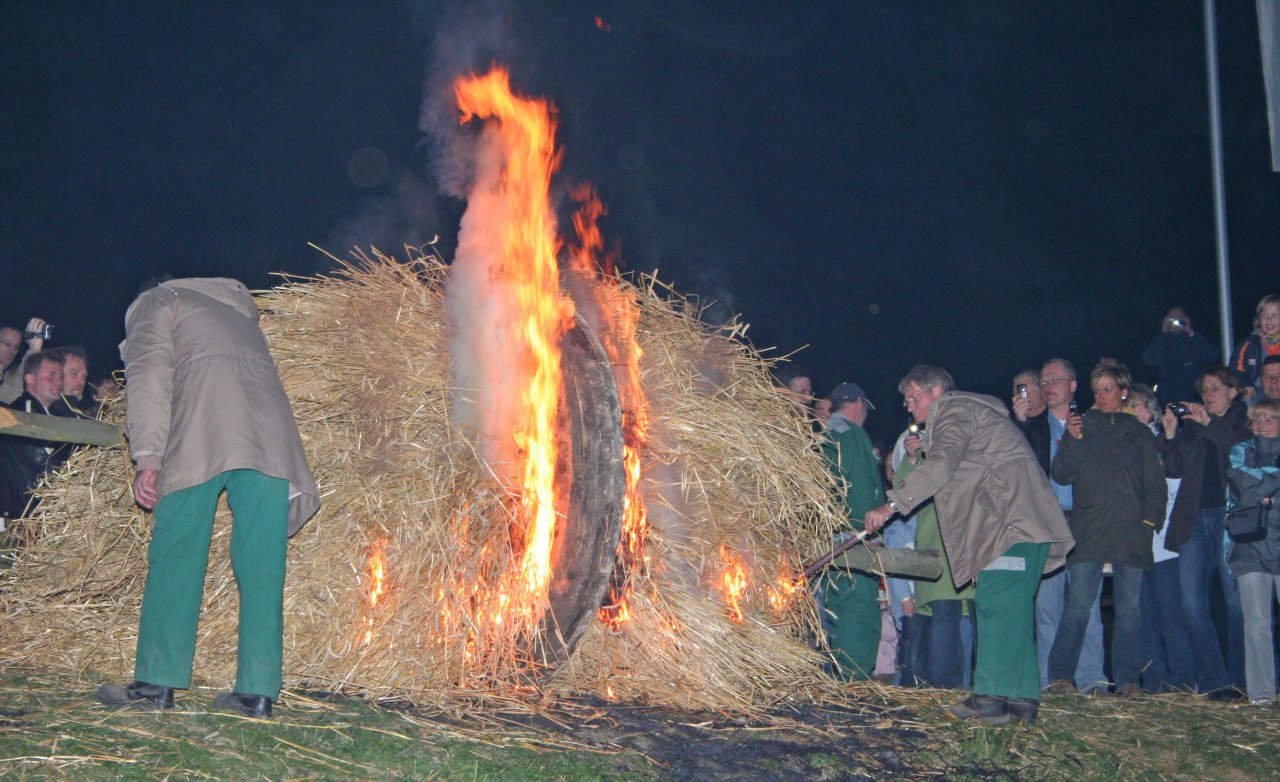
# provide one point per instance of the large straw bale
(731, 476)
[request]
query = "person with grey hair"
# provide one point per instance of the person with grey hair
(1057, 381)
(1254, 487)
(998, 517)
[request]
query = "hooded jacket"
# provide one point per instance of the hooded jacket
(203, 393)
(986, 484)
(1117, 484)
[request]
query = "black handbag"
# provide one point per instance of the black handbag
(1247, 524)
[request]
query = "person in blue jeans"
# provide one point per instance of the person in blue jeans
(1196, 444)
(1040, 405)
(1166, 649)
(1110, 460)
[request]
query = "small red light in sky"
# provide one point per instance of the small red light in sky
(603, 25)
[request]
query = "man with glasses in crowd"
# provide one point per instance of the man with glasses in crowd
(1057, 387)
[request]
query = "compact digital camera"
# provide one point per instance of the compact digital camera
(45, 331)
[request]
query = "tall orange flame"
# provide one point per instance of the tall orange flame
(529, 265)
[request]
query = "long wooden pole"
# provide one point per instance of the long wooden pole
(58, 429)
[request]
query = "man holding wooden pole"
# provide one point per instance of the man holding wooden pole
(1001, 527)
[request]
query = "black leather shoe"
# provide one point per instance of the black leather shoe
(992, 709)
(258, 706)
(1023, 709)
(139, 695)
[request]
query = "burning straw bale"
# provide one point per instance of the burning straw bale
(397, 587)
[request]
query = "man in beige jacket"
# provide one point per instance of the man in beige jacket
(1001, 527)
(207, 414)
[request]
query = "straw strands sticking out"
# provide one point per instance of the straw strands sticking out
(392, 590)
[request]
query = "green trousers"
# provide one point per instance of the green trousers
(852, 603)
(1004, 608)
(178, 557)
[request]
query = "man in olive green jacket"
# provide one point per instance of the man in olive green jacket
(206, 414)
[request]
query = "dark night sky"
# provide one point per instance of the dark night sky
(979, 185)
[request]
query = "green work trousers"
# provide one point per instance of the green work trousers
(1004, 607)
(178, 557)
(852, 603)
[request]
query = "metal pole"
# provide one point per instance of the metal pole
(1219, 190)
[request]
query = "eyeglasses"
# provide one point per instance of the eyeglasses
(909, 402)
(1212, 389)
(1053, 381)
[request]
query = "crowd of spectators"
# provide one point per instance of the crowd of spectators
(1168, 491)
(41, 380)
(1168, 495)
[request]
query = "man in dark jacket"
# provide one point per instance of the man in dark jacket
(24, 459)
(1111, 463)
(1181, 353)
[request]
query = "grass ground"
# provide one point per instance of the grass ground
(51, 729)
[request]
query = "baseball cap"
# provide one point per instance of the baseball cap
(849, 392)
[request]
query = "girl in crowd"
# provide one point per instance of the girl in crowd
(1263, 342)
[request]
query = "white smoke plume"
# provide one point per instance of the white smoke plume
(488, 361)
(490, 364)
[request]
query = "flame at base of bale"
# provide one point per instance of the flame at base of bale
(400, 587)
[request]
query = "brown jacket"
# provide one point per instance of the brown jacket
(203, 393)
(987, 485)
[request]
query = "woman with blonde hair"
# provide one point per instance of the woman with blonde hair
(1118, 491)
(1254, 480)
